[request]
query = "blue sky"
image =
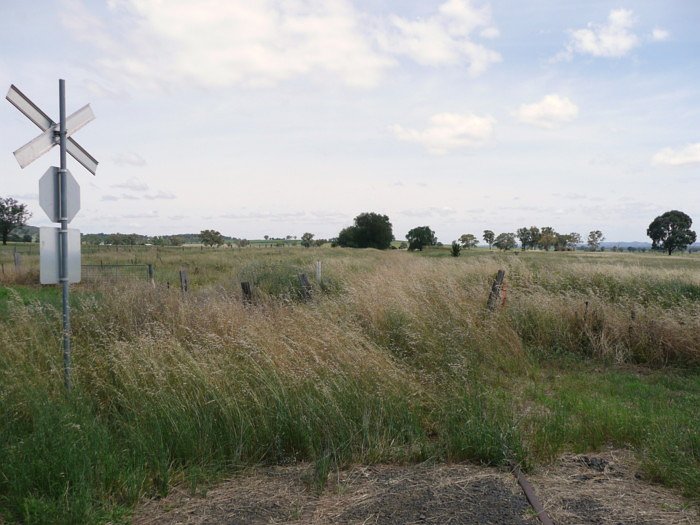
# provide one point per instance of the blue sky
(285, 116)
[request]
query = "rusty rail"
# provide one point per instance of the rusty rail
(532, 498)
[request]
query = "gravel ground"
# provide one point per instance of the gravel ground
(577, 489)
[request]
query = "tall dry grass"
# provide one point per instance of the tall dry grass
(395, 358)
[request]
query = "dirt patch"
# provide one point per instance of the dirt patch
(591, 489)
(605, 489)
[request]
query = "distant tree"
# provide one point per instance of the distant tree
(468, 241)
(346, 237)
(12, 215)
(242, 243)
(266, 237)
(118, 239)
(370, 230)
(671, 231)
(419, 237)
(307, 240)
(525, 236)
(595, 237)
(211, 238)
(403, 245)
(158, 240)
(320, 242)
(176, 240)
(489, 237)
(548, 238)
(373, 230)
(456, 248)
(505, 241)
(535, 235)
(26, 238)
(574, 240)
(562, 242)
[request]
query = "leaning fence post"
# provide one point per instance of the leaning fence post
(151, 275)
(184, 281)
(305, 286)
(496, 290)
(247, 292)
(318, 272)
(18, 259)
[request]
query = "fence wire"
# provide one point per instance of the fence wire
(115, 272)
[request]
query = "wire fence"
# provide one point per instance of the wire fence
(116, 272)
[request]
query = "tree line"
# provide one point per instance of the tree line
(669, 232)
(532, 238)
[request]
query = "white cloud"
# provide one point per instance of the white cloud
(549, 112)
(689, 154)
(160, 195)
(448, 131)
(444, 38)
(26, 196)
(323, 217)
(217, 43)
(611, 40)
(431, 211)
(224, 43)
(659, 35)
(133, 184)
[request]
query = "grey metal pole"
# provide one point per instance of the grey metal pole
(63, 236)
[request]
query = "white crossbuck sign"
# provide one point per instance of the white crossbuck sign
(48, 139)
(59, 192)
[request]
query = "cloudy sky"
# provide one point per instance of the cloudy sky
(283, 116)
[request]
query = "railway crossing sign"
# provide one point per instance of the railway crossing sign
(59, 196)
(49, 192)
(49, 255)
(44, 122)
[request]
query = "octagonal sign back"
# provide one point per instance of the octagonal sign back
(49, 195)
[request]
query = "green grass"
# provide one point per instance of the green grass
(394, 359)
(28, 294)
(584, 407)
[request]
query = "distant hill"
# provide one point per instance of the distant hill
(626, 244)
(637, 245)
(19, 233)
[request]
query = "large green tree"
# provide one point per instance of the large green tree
(419, 237)
(371, 230)
(525, 236)
(211, 238)
(307, 240)
(505, 241)
(548, 238)
(671, 231)
(468, 241)
(12, 215)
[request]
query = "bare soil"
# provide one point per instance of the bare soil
(578, 489)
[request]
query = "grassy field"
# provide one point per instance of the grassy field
(394, 359)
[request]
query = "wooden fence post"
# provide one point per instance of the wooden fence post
(496, 290)
(305, 286)
(318, 272)
(151, 275)
(184, 281)
(18, 259)
(247, 292)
